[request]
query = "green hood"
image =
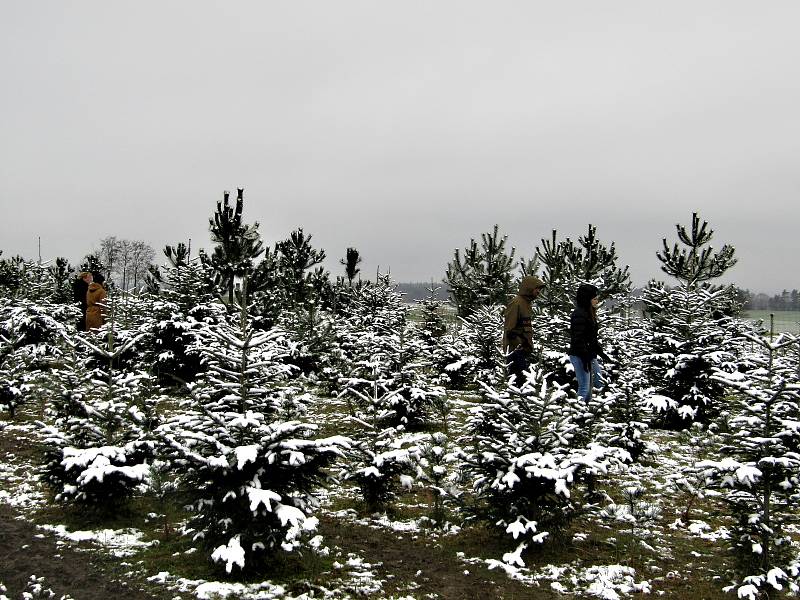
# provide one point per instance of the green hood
(529, 284)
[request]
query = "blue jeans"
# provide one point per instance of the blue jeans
(585, 381)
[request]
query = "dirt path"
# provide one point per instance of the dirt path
(81, 575)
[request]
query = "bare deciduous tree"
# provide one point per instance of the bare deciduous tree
(126, 260)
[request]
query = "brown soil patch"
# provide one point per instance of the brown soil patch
(82, 575)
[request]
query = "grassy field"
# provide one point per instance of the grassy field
(784, 320)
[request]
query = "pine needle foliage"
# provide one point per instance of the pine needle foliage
(381, 461)
(237, 244)
(482, 274)
(250, 475)
(525, 452)
(760, 472)
(100, 444)
(694, 264)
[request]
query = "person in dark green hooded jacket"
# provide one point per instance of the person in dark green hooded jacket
(518, 331)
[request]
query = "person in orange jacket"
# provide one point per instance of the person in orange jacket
(95, 310)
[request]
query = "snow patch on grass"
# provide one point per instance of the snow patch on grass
(118, 542)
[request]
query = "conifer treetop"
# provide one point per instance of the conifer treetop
(695, 264)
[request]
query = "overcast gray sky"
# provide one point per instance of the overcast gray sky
(404, 128)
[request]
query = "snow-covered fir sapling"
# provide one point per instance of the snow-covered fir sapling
(452, 362)
(376, 334)
(182, 294)
(100, 444)
(760, 473)
(15, 378)
(688, 326)
(30, 345)
(523, 456)
(482, 334)
(626, 420)
(435, 471)
(430, 330)
(249, 475)
(381, 461)
(431, 325)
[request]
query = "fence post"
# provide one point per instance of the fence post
(798, 359)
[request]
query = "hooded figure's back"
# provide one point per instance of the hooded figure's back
(518, 330)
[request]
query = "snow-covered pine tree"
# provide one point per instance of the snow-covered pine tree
(37, 285)
(594, 262)
(98, 449)
(690, 330)
(453, 363)
(482, 333)
(435, 348)
(30, 344)
(184, 301)
(760, 472)
(376, 332)
(315, 348)
(554, 257)
(688, 340)
(10, 275)
(297, 258)
(483, 275)
(60, 274)
(15, 377)
(250, 475)
(523, 454)
(381, 461)
(626, 422)
(431, 326)
(436, 472)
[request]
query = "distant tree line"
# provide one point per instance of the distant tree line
(786, 300)
(422, 291)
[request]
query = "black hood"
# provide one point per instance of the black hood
(583, 299)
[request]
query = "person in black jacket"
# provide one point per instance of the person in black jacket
(80, 286)
(584, 347)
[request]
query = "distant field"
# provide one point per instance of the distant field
(785, 320)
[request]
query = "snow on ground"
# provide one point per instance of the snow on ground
(19, 487)
(119, 542)
(354, 578)
(34, 590)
